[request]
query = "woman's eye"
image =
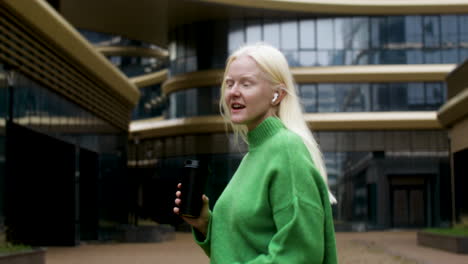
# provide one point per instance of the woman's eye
(246, 84)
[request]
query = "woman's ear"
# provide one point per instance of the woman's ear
(279, 95)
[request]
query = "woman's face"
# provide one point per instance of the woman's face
(248, 94)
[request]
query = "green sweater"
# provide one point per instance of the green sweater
(275, 209)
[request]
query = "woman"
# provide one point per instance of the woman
(276, 208)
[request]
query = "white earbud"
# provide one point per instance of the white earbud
(275, 96)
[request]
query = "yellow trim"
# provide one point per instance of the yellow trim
(364, 7)
(373, 73)
(317, 122)
(360, 73)
(175, 127)
(192, 80)
(373, 121)
(454, 109)
(150, 79)
(132, 51)
(58, 31)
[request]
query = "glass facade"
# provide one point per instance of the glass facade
(130, 65)
(325, 98)
(49, 134)
(324, 41)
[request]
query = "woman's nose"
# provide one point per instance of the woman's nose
(234, 91)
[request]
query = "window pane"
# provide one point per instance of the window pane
(343, 33)
(360, 33)
(309, 97)
(413, 32)
(254, 31)
(324, 30)
(434, 94)
(414, 56)
(326, 98)
(398, 92)
(324, 58)
(380, 97)
(449, 29)
(463, 26)
(289, 35)
(416, 96)
(450, 56)
(271, 33)
(378, 29)
(308, 58)
(236, 35)
(395, 31)
(431, 31)
(307, 34)
(432, 56)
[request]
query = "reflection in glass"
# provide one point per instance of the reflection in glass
(326, 98)
(431, 31)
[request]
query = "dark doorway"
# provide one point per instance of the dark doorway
(40, 188)
(460, 163)
(408, 201)
(88, 186)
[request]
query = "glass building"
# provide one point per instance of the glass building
(101, 102)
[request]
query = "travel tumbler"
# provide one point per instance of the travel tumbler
(193, 185)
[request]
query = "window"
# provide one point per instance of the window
(289, 35)
(307, 34)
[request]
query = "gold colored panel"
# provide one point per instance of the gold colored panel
(454, 109)
(316, 121)
(150, 79)
(132, 51)
(44, 19)
(330, 74)
(365, 7)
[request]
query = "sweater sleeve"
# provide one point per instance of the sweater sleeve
(298, 212)
(201, 240)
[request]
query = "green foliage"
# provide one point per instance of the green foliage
(454, 231)
(10, 248)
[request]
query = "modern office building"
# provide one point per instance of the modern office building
(371, 76)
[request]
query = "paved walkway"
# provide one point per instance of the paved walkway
(391, 247)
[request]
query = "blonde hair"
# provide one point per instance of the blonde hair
(276, 69)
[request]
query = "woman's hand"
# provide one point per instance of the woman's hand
(200, 223)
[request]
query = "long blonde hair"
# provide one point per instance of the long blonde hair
(276, 69)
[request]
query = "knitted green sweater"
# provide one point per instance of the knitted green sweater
(275, 209)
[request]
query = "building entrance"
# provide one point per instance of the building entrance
(408, 201)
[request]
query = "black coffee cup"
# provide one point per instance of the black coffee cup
(193, 186)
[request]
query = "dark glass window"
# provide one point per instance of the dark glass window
(431, 28)
(463, 26)
(308, 93)
(449, 30)
(413, 32)
(326, 98)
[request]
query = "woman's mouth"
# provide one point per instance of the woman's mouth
(236, 107)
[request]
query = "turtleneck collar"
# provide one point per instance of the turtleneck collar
(269, 127)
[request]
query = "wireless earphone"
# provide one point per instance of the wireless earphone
(275, 96)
